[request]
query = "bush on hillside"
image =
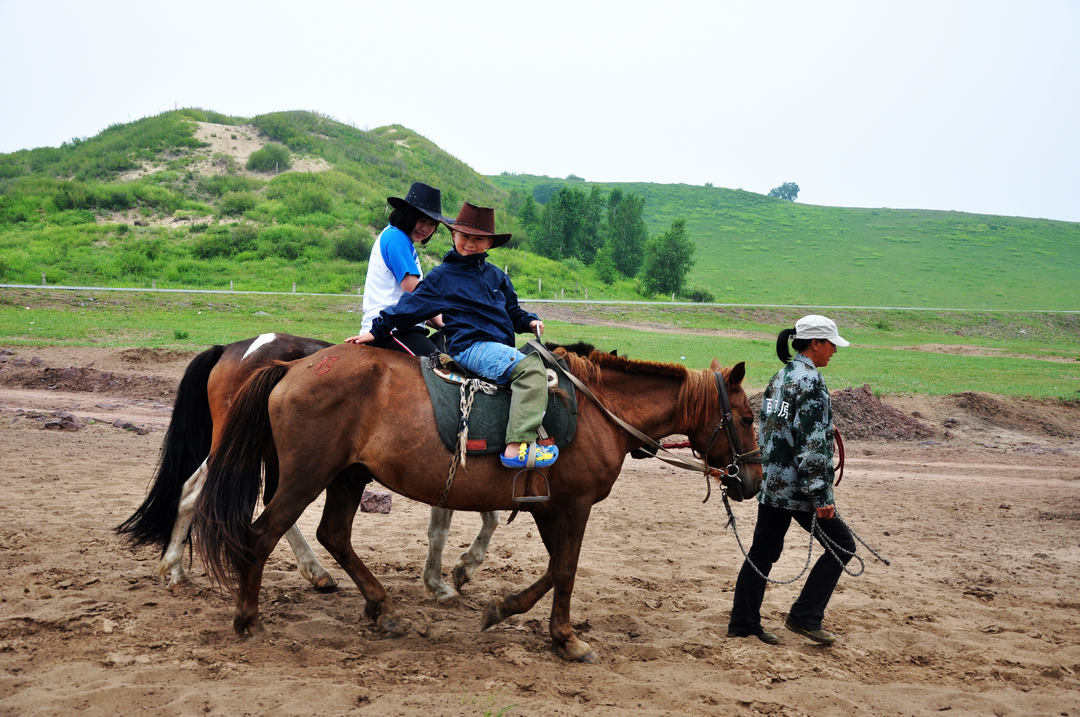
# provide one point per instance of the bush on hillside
(74, 218)
(219, 185)
(115, 197)
(130, 264)
(352, 244)
(237, 203)
(702, 296)
(225, 242)
(281, 241)
(271, 158)
(310, 200)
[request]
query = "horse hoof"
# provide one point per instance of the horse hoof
(390, 625)
(325, 584)
(175, 578)
(444, 594)
(461, 576)
(248, 627)
(576, 651)
(493, 614)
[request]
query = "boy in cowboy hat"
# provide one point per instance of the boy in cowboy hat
(481, 314)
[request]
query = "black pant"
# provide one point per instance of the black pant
(809, 610)
(414, 338)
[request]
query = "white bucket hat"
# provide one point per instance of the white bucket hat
(818, 327)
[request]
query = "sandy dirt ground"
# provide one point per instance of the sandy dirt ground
(978, 508)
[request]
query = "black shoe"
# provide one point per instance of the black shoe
(821, 636)
(764, 635)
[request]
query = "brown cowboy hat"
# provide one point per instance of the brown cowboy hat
(479, 221)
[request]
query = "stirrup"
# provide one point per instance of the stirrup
(516, 499)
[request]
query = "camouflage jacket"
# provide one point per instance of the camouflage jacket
(796, 436)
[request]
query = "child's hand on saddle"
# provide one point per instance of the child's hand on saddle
(364, 338)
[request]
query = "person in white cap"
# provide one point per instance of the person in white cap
(795, 428)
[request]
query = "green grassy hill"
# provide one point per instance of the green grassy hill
(170, 201)
(759, 250)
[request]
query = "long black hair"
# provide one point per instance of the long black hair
(405, 218)
(782, 351)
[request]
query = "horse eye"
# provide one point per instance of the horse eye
(748, 421)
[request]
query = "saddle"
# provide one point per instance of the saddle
(486, 421)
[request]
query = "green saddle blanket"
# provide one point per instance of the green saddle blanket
(487, 419)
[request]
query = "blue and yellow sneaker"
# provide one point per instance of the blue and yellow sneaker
(531, 455)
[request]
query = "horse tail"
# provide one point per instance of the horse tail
(222, 529)
(187, 442)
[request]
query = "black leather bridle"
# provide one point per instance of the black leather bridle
(727, 423)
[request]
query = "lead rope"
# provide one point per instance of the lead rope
(830, 545)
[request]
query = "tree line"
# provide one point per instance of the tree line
(606, 231)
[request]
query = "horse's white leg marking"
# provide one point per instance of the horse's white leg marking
(308, 565)
(172, 559)
(259, 342)
(470, 560)
(438, 529)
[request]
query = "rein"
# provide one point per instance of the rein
(733, 468)
(839, 470)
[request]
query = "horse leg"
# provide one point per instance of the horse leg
(282, 512)
(501, 608)
(335, 533)
(306, 563)
(172, 558)
(438, 529)
(567, 529)
(562, 531)
(498, 609)
(470, 560)
(309, 566)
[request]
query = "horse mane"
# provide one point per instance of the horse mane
(697, 395)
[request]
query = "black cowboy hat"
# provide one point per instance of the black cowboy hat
(479, 221)
(424, 199)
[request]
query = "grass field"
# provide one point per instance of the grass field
(1007, 353)
(755, 249)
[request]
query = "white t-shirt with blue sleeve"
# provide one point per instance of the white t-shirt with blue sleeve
(392, 259)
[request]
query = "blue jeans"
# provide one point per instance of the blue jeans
(490, 359)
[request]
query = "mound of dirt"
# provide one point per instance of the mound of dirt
(152, 356)
(859, 414)
(19, 374)
(1028, 416)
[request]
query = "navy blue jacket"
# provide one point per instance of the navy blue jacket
(477, 302)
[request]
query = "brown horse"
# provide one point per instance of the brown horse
(330, 421)
(202, 399)
(205, 392)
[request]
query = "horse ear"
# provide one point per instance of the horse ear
(737, 374)
(715, 365)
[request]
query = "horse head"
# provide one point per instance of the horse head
(727, 439)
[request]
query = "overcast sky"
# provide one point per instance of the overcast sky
(969, 105)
